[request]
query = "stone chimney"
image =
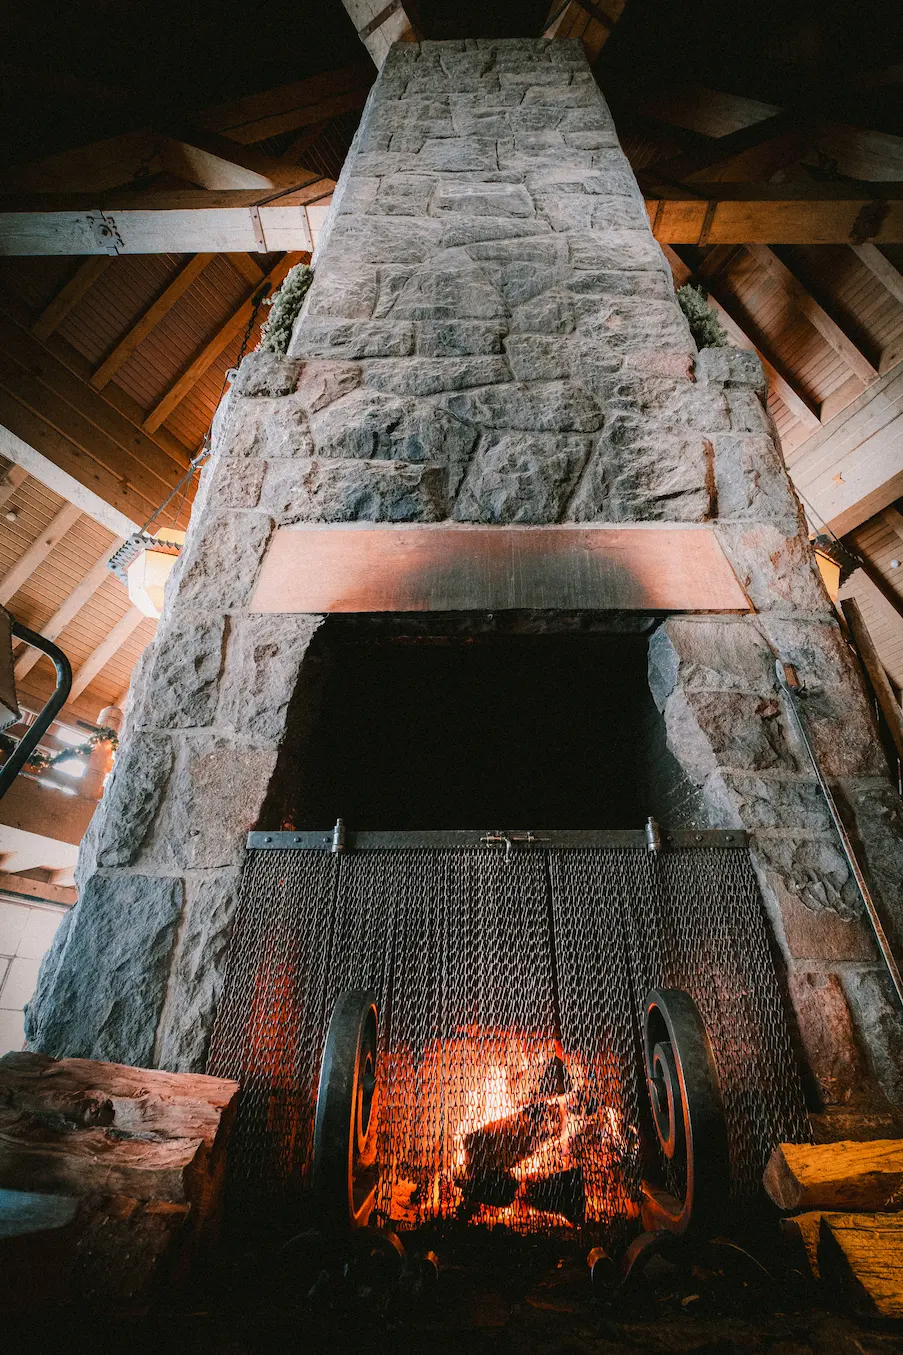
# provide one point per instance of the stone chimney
(492, 337)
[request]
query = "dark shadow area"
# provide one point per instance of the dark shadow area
(450, 727)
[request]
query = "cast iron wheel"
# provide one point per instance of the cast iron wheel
(688, 1113)
(344, 1158)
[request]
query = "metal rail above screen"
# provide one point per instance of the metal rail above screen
(495, 839)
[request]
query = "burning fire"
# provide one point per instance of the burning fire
(498, 1128)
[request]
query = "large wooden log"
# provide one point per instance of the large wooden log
(840, 1176)
(142, 1152)
(861, 1257)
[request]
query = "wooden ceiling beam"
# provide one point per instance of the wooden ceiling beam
(189, 222)
(38, 551)
(287, 108)
(882, 268)
(815, 313)
(212, 349)
(109, 646)
(851, 468)
(774, 214)
(96, 576)
(10, 483)
(147, 322)
(70, 294)
(593, 21)
(380, 25)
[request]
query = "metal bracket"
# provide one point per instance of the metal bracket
(105, 232)
(326, 840)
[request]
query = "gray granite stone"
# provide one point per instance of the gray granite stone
(518, 478)
(198, 970)
(221, 566)
(263, 663)
(102, 985)
(334, 490)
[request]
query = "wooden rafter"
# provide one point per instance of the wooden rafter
(109, 646)
(69, 295)
(816, 314)
(10, 483)
(38, 551)
(882, 268)
(740, 331)
(139, 331)
(96, 576)
(53, 412)
(379, 25)
(288, 108)
(214, 346)
(590, 20)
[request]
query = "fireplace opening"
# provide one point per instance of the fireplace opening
(450, 725)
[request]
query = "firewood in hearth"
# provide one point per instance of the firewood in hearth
(489, 1185)
(560, 1193)
(856, 1176)
(503, 1143)
(555, 1080)
(860, 1256)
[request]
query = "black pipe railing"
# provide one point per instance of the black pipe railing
(36, 731)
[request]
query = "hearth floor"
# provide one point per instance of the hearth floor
(493, 1295)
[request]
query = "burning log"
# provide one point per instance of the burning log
(503, 1143)
(561, 1193)
(489, 1185)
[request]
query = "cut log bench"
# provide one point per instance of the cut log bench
(850, 1195)
(139, 1153)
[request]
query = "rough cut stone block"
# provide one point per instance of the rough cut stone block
(777, 571)
(121, 934)
(482, 199)
(446, 339)
(342, 293)
(878, 1023)
(405, 194)
(181, 690)
(267, 428)
(322, 383)
(520, 479)
(198, 968)
(751, 481)
(221, 568)
(534, 357)
(826, 1030)
(815, 871)
(432, 376)
(730, 730)
(329, 338)
(264, 373)
(133, 795)
(333, 490)
(235, 482)
(551, 313)
(837, 712)
(462, 291)
(731, 367)
(363, 424)
(200, 826)
(263, 663)
(709, 655)
(463, 154)
(543, 407)
(383, 239)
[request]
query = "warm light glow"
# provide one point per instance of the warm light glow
(519, 1114)
(148, 572)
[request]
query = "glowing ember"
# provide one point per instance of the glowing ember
(494, 1127)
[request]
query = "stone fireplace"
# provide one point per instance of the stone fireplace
(491, 345)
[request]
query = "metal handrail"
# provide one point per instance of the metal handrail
(36, 731)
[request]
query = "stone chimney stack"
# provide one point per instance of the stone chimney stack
(492, 338)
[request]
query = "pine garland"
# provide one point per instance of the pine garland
(277, 332)
(39, 761)
(704, 324)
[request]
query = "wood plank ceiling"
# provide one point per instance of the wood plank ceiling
(112, 367)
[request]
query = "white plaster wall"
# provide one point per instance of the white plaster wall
(26, 931)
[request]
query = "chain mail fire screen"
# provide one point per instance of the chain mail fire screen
(510, 984)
